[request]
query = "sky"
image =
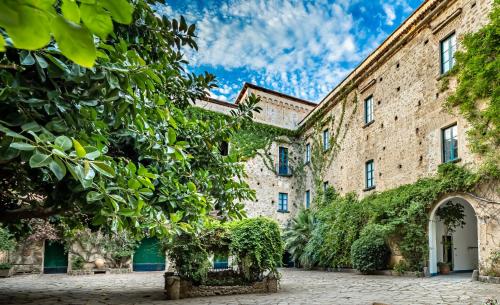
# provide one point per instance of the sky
(298, 47)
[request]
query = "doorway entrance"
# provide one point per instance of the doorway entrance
(460, 248)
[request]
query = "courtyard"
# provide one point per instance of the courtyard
(297, 287)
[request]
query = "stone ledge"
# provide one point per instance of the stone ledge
(175, 288)
(100, 271)
(489, 279)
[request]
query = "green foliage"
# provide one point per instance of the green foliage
(370, 252)
(113, 146)
(298, 234)
(401, 267)
(77, 263)
(5, 266)
(7, 241)
(452, 215)
(399, 215)
(253, 138)
(257, 246)
(190, 257)
(31, 25)
(477, 96)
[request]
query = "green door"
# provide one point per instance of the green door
(149, 256)
(55, 258)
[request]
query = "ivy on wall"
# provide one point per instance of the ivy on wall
(400, 215)
(477, 96)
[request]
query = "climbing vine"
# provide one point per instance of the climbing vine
(400, 215)
(477, 96)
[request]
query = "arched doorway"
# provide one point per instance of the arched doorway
(462, 247)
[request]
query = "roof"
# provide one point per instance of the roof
(286, 96)
(219, 102)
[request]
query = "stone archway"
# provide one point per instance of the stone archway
(465, 249)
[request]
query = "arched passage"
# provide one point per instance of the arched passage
(464, 254)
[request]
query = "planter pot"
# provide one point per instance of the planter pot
(6, 272)
(99, 263)
(444, 269)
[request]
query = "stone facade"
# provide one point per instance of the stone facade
(404, 140)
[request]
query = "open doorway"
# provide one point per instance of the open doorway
(458, 249)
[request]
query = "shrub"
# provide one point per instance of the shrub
(7, 242)
(401, 267)
(370, 252)
(77, 263)
(4, 266)
(257, 246)
(298, 235)
(190, 257)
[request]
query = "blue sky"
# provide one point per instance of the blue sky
(298, 47)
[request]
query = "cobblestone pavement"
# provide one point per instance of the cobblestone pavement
(297, 287)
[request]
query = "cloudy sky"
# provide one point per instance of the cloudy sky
(299, 47)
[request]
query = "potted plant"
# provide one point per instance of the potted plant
(452, 215)
(5, 270)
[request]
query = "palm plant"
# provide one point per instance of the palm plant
(297, 236)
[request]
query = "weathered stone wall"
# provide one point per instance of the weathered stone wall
(27, 257)
(405, 138)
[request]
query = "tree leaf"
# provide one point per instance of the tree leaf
(32, 30)
(74, 41)
(58, 168)
(191, 186)
(94, 196)
(97, 20)
(80, 151)
(39, 160)
(22, 146)
(70, 11)
(2, 44)
(63, 142)
(103, 168)
(172, 136)
(26, 58)
(121, 10)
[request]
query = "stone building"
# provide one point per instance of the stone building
(383, 126)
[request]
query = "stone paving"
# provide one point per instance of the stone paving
(297, 287)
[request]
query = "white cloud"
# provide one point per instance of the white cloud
(295, 46)
(390, 13)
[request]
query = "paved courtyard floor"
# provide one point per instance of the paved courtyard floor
(297, 287)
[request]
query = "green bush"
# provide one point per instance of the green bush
(77, 263)
(190, 257)
(7, 242)
(369, 253)
(257, 246)
(4, 266)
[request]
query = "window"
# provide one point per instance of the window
(308, 199)
(221, 261)
(326, 139)
(283, 202)
(369, 110)
(224, 148)
(448, 48)
(283, 161)
(325, 186)
(450, 144)
(308, 153)
(369, 169)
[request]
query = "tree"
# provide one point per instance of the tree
(112, 145)
(452, 215)
(298, 234)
